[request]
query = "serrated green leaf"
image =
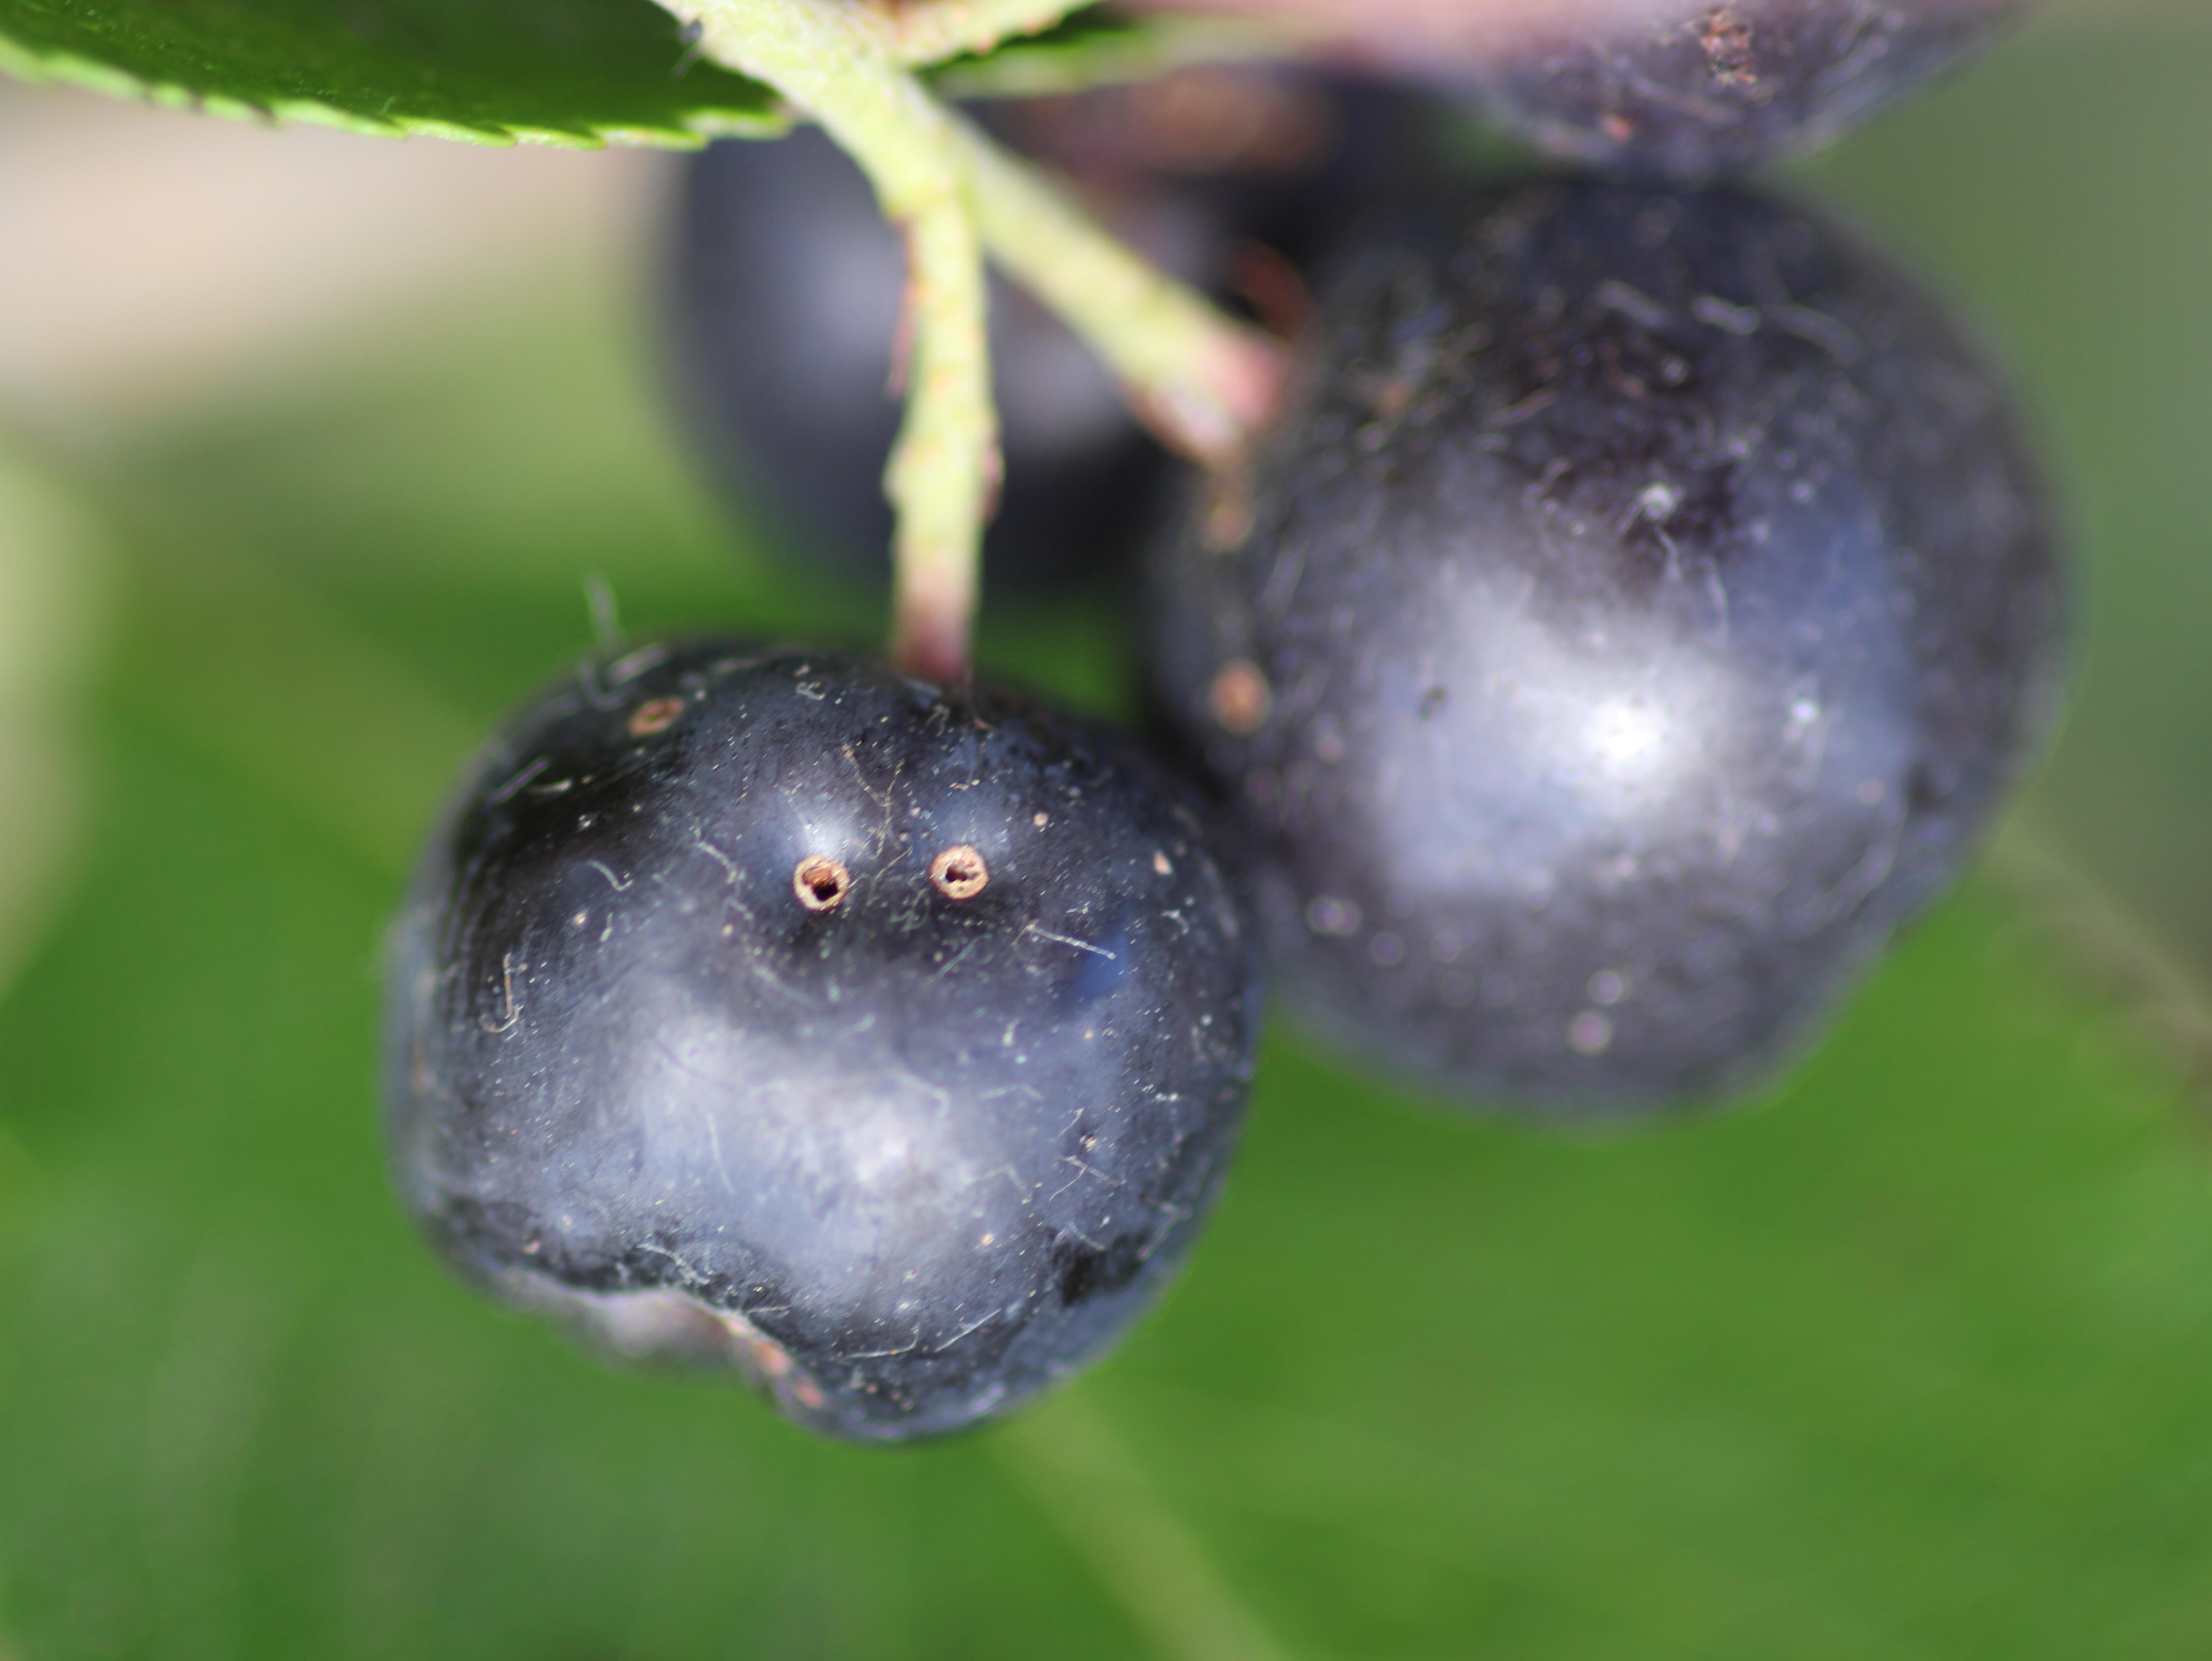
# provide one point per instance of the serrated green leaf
(575, 72)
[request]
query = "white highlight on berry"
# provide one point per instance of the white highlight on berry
(1628, 735)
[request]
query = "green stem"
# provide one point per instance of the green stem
(944, 471)
(1065, 1454)
(840, 63)
(2110, 937)
(1136, 49)
(1201, 382)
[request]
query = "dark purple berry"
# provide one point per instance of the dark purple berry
(1689, 90)
(885, 1042)
(1636, 620)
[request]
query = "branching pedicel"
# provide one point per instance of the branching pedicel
(1201, 380)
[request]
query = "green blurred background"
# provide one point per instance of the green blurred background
(311, 443)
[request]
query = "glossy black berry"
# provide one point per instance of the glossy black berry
(786, 286)
(1636, 620)
(1691, 90)
(888, 1042)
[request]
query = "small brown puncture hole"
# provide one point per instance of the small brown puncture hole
(1239, 698)
(821, 883)
(959, 873)
(654, 716)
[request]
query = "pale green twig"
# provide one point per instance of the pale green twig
(1200, 380)
(945, 473)
(1075, 1468)
(839, 62)
(2167, 991)
(1131, 49)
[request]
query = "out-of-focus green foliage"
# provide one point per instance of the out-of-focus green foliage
(51, 582)
(1913, 1360)
(2062, 193)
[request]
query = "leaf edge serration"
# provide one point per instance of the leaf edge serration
(61, 66)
